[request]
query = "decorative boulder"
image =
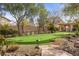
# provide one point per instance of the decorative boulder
(76, 44)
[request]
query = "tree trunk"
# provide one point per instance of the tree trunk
(43, 29)
(22, 27)
(19, 30)
(51, 31)
(38, 29)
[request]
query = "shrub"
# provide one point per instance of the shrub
(2, 40)
(74, 35)
(77, 28)
(51, 40)
(13, 32)
(7, 31)
(77, 33)
(12, 48)
(4, 29)
(2, 53)
(51, 27)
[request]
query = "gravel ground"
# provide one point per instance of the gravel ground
(49, 49)
(24, 50)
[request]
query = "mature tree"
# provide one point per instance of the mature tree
(24, 24)
(19, 11)
(16, 10)
(72, 10)
(42, 16)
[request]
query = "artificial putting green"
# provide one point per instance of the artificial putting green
(43, 38)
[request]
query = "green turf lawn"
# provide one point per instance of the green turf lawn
(43, 38)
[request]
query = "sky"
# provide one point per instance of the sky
(55, 9)
(49, 6)
(53, 6)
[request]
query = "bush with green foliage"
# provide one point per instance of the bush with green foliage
(77, 28)
(12, 48)
(2, 43)
(6, 31)
(2, 40)
(51, 27)
(12, 32)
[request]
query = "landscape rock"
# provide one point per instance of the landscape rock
(76, 44)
